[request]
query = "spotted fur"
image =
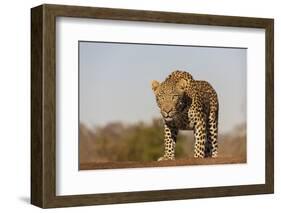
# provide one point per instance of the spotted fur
(188, 104)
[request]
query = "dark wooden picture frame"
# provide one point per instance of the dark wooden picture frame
(43, 105)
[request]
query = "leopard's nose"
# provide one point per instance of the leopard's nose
(167, 108)
(167, 113)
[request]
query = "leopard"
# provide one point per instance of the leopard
(188, 104)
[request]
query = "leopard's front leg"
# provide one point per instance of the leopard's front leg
(169, 142)
(198, 119)
(200, 137)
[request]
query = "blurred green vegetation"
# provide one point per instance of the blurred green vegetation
(144, 142)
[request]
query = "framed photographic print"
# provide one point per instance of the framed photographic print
(136, 106)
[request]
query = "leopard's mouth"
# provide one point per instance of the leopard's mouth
(168, 118)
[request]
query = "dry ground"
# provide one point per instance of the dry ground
(178, 162)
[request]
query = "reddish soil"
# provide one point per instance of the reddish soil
(178, 162)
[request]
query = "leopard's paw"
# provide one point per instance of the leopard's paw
(166, 158)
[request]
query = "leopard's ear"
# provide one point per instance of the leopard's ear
(155, 85)
(181, 85)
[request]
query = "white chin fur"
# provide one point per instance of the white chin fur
(168, 119)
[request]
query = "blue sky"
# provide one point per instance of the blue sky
(115, 80)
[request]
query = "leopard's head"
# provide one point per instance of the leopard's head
(170, 97)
